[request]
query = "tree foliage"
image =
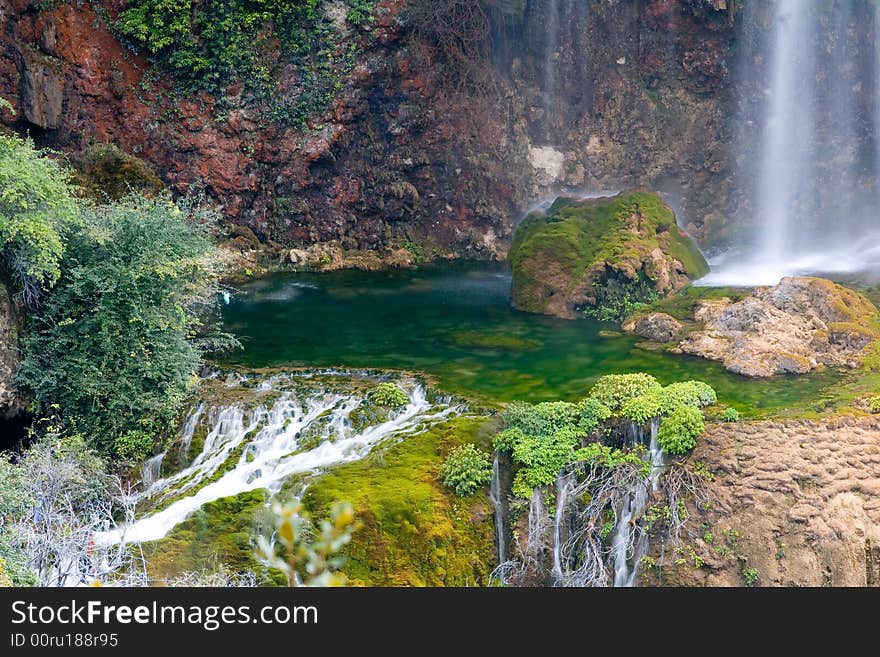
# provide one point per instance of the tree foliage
(118, 339)
(544, 439)
(466, 469)
(37, 209)
(678, 433)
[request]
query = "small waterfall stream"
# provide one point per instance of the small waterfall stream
(564, 486)
(496, 496)
(248, 449)
(628, 542)
(151, 469)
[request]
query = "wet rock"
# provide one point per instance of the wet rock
(790, 328)
(42, 88)
(600, 256)
(658, 327)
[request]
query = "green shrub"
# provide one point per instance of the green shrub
(614, 390)
(874, 404)
(466, 469)
(117, 340)
(389, 395)
(37, 208)
(679, 431)
(690, 393)
(104, 172)
(750, 576)
(646, 407)
(730, 415)
(133, 446)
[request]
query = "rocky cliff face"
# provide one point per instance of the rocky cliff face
(617, 94)
(793, 504)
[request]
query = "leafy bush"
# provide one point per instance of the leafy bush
(37, 208)
(690, 393)
(389, 395)
(133, 446)
(466, 469)
(679, 431)
(730, 415)
(874, 404)
(614, 390)
(207, 45)
(645, 407)
(118, 339)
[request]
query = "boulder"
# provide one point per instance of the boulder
(658, 327)
(790, 328)
(601, 256)
(42, 88)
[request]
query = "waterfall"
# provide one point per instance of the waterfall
(813, 207)
(629, 543)
(496, 496)
(625, 541)
(564, 485)
(151, 470)
(550, 66)
(259, 448)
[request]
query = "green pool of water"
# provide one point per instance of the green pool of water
(455, 322)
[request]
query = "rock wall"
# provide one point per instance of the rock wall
(402, 154)
(798, 502)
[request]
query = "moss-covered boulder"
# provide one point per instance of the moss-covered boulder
(104, 172)
(602, 257)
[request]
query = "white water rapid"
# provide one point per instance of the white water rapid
(261, 447)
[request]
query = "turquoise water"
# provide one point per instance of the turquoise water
(455, 322)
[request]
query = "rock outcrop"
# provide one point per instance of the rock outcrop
(602, 255)
(798, 502)
(657, 327)
(793, 327)
(403, 152)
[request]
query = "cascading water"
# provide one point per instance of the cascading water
(246, 450)
(496, 496)
(629, 543)
(817, 139)
(565, 483)
(151, 469)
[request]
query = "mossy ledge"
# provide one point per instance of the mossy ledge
(414, 532)
(604, 256)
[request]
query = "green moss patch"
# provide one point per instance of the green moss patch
(219, 532)
(582, 254)
(415, 532)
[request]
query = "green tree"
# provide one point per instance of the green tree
(37, 209)
(120, 336)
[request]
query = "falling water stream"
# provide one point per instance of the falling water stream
(814, 206)
(259, 448)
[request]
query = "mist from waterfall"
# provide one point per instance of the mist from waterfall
(812, 180)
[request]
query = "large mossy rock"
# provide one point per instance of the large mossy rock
(604, 256)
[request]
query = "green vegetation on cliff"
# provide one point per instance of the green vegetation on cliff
(543, 439)
(37, 208)
(117, 339)
(414, 532)
(206, 46)
(604, 256)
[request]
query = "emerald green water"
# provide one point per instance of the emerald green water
(455, 322)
